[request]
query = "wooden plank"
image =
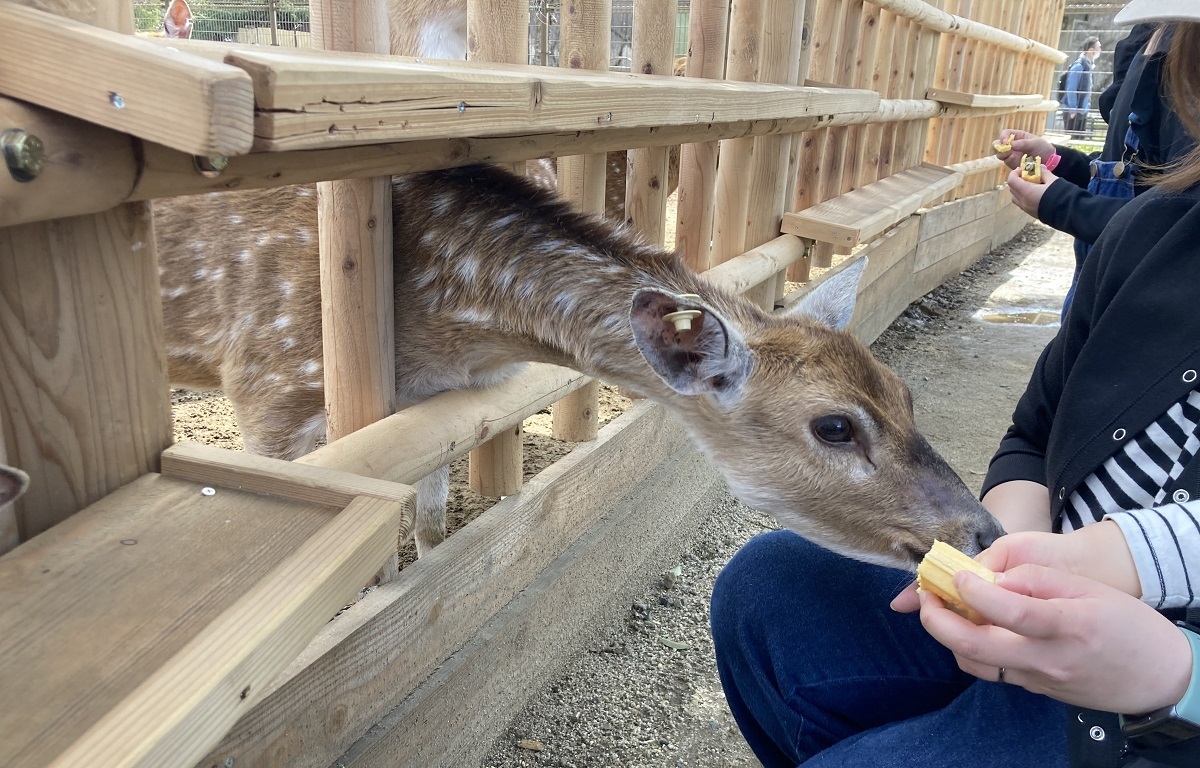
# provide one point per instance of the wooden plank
(984, 100)
(456, 716)
(708, 25)
(94, 605)
(84, 400)
(584, 36)
(184, 708)
(934, 18)
(190, 103)
(309, 101)
(247, 472)
(742, 273)
(383, 647)
(858, 216)
(934, 249)
(943, 218)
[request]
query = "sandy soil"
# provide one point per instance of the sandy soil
(644, 691)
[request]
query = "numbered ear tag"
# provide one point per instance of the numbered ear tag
(1119, 169)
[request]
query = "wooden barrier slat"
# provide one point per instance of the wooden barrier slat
(184, 708)
(130, 580)
(858, 216)
(286, 479)
(191, 104)
(930, 16)
(308, 101)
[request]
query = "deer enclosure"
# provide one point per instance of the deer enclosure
(170, 603)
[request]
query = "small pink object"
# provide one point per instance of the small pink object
(1052, 161)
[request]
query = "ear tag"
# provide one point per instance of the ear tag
(682, 318)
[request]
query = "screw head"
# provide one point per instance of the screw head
(116, 99)
(229, 762)
(24, 154)
(208, 490)
(210, 166)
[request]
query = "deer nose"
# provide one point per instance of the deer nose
(987, 537)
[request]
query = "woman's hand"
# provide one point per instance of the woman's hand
(1023, 143)
(1071, 638)
(1026, 194)
(1098, 552)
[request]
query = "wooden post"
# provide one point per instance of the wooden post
(355, 235)
(646, 183)
(84, 402)
(782, 32)
(585, 33)
(498, 31)
(708, 27)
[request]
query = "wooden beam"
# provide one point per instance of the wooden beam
(96, 604)
(930, 16)
(286, 479)
(190, 103)
(307, 101)
(498, 31)
(585, 30)
(858, 216)
(187, 705)
(1008, 100)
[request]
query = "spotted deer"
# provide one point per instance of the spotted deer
(493, 271)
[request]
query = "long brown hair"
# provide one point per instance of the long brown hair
(1183, 88)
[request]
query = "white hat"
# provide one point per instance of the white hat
(1159, 10)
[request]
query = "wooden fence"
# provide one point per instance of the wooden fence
(170, 604)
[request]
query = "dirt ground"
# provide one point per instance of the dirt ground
(644, 691)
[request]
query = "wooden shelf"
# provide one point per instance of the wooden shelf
(858, 216)
(141, 628)
(984, 100)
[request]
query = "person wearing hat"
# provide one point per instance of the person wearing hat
(1079, 660)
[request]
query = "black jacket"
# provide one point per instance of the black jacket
(1138, 87)
(1121, 358)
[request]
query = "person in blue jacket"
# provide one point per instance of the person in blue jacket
(1077, 99)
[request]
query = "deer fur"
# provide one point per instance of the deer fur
(493, 271)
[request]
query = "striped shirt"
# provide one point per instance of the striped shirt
(1130, 488)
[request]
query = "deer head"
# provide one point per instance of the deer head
(805, 424)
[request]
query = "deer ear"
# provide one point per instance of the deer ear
(832, 302)
(13, 483)
(709, 358)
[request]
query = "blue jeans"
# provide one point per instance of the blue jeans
(817, 669)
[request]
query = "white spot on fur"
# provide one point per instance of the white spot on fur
(311, 368)
(286, 287)
(263, 239)
(288, 342)
(281, 322)
(443, 39)
(305, 236)
(467, 269)
(175, 293)
(471, 316)
(217, 274)
(304, 192)
(235, 219)
(243, 255)
(196, 246)
(202, 273)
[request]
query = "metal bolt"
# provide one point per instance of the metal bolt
(210, 166)
(229, 762)
(462, 107)
(116, 99)
(24, 154)
(1097, 733)
(208, 490)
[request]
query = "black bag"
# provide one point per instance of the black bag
(1062, 85)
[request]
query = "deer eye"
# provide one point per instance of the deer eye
(833, 429)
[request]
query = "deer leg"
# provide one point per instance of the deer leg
(432, 492)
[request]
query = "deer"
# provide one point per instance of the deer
(493, 271)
